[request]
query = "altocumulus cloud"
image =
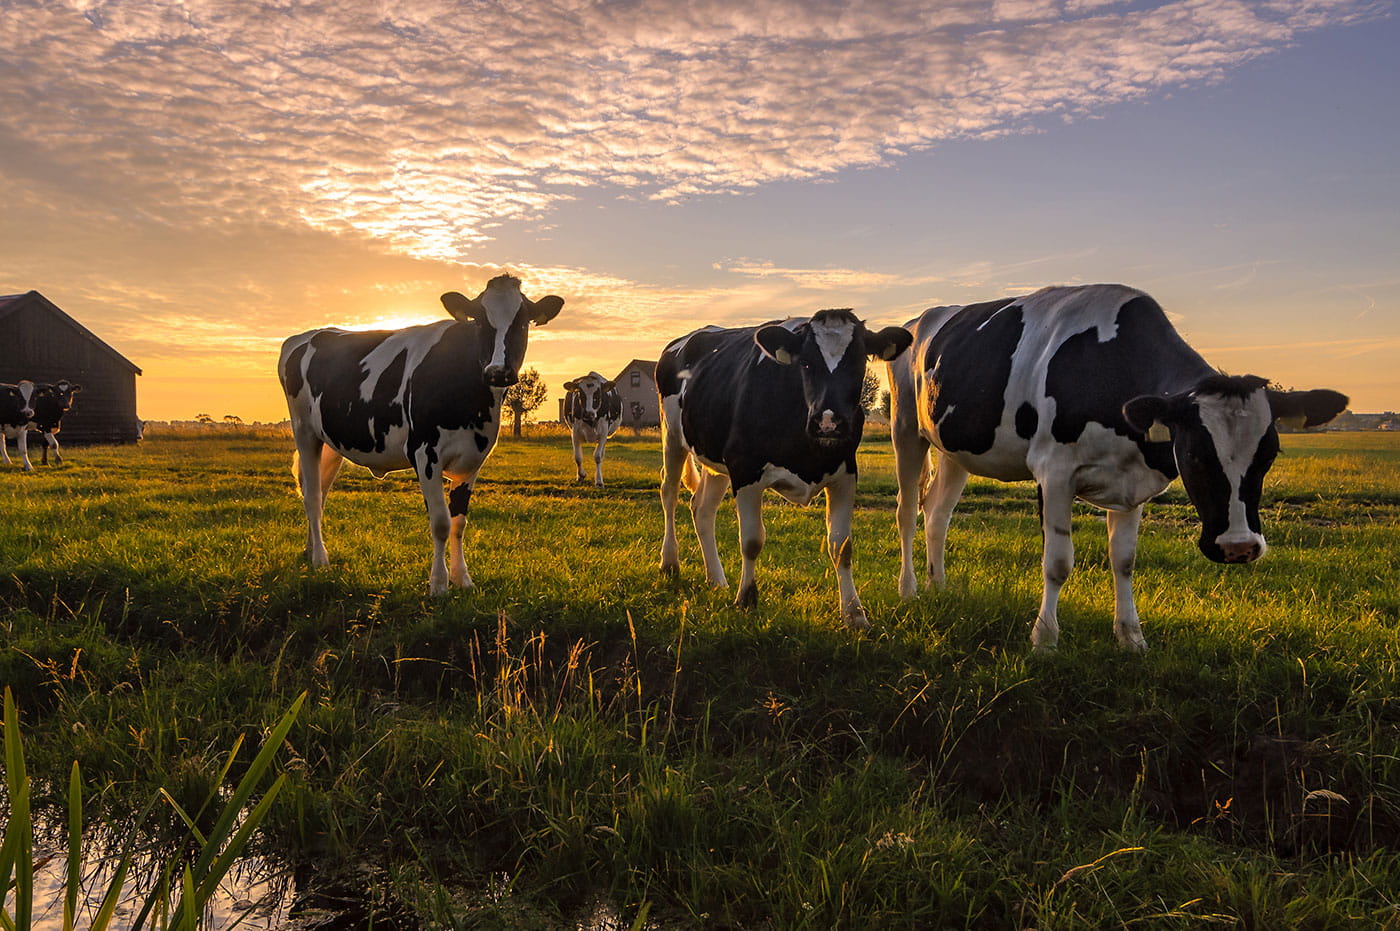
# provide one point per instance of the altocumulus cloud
(429, 124)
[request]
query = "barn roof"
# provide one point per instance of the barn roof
(9, 303)
(646, 365)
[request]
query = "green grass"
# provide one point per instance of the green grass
(578, 730)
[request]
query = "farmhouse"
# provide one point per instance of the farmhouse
(44, 344)
(641, 406)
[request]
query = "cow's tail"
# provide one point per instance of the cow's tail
(296, 470)
(925, 482)
(691, 474)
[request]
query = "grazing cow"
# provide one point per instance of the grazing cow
(1092, 393)
(51, 402)
(426, 398)
(773, 406)
(16, 407)
(593, 411)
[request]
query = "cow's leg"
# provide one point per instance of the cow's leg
(1057, 560)
(949, 480)
(4, 448)
(840, 503)
(598, 454)
(308, 465)
(748, 501)
(458, 500)
(1122, 551)
(330, 468)
(673, 456)
(910, 461)
(704, 505)
(578, 455)
(50, 442)
(23, 444)
(439, 523)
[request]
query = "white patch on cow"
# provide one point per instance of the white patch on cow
(1236, 426)
(414, 342)
(501, 302)
(793, 488)
(833, 339)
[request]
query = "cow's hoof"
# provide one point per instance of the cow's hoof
(856, 618)
(1133, 645)
(671, 570)
(747, 597)
(1045, 650)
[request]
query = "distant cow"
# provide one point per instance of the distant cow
(593, 411)
(773, 406)
(426, 398)
(1090, 392)
(51, 402)
(16, 407)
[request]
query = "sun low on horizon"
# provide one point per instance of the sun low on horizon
(196, 181)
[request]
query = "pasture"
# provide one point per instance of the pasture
(578, 732)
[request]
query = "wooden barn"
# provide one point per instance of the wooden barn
(44, 344)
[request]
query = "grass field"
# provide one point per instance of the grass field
(578, 732)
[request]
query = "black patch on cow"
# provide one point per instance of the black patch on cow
(483, 442)
(1027, 420)
(336, 372)
(970, 357)
(293, 380)
(743, 409)
(1090, 381)
(459, 499)
(448, 390)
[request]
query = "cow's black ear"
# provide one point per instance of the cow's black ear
(1307, 408)
(461, 306)
(75, 389)
(1151, 414)
(570, 385)
(546, 309)
(609, 385)
(778, 343)
(888, 343)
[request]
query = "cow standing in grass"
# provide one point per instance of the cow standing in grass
(593, 411)
(51, 402)
(16, 407)
(1090, 392)
(773, 406)
(426, 398)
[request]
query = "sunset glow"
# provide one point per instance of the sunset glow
(194, 181)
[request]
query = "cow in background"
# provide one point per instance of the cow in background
(773, 406)
(593, 411)
(1090, 392)
(51, 402)
(16, 407)
(426, 398)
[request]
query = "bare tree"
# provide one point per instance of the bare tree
(525, 396)
(869, 390)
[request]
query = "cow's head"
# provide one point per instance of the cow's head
(505, 315)
(59, 395)
(830, 351)
(1224, 439)
(588, 393)
(19, 401)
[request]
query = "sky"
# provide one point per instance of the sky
(195, 181)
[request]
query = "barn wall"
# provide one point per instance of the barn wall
(42, 347)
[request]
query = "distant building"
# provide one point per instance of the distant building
(43, 344)
(641, 406)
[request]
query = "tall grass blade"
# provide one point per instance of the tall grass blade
(17, 854)
(74, 877)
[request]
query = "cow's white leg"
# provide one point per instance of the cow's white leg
(1057, 560)
(330, 468)
(50, 442)
(578, 455)
(458, 500)
(910, 460)
(840, 502)
(673, 456)
(23, 444)
(4, 448)
(598, 454)
(704, 505)
(439, 523)
(949, 480)
(1122, 551)
(748, 501)
(313, 498)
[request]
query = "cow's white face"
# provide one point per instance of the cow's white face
(505, 315)
(589, 391)
(1224, 441)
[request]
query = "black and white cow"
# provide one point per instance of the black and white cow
(426, 398)
(1090, 392)
(593, 411)
(772, 406)
(16, 407)
(51, 402)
